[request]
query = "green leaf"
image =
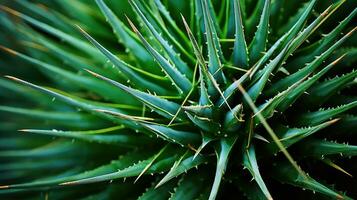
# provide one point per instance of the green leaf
(199, 12)
(125, 68)
(268, 108)
(163, 10)
(197, 17)
(307, 54)
(203, 68)
(206, 139)
(215, 55)
(176, 136)
(66, 117)
(230, 121)
(161, 106)
(54, 164)
(231, 89)
(205, 100)
(206, 124)
(121, 139)
(292, 45)
(153, 16)
(189, 187)
(181, 166)
(250, 162)
(51, 149)
(79, 44)
(250, 189)
(86, 14)
(133, 170)
(332, 164)
(321, 92)
(124, 35)
(222, 151)
(78, 103)
(240, 51)
(269, 129)
(178, 79)
(285, 39)
(84, 82)
(321, 148)
(143, 123)
(122, 163)
(289, 80)
(153, 159)
(286, 174)
(290, 136)
(76, 62)
(302, 37)
(23, 91)
(293, 19)
(174, 57)
(256, 89)
(317, 117)
(202, 111)
(161, 193)
(295, 93)
(52, 16)
(253, 14)
(258, 44)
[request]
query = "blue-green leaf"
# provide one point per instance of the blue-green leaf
(161, 106)
(189, 187)
(258, 44)
(81, 45)
(317, 117)
(320, 148)
(250, 162)
(223, 149)
(124, 35)
(122, 163)
(321, 92)
(295, 93)
(286, 174)
(215, 55)
(125, 68)
(240, 51)
(181, 166)
(289, 80)
(121, 139)
(178, 79)
(84, 82)
(176, 136)
(174, 57)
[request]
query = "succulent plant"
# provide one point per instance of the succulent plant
(199, 99)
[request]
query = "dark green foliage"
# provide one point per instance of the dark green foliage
(165, 99)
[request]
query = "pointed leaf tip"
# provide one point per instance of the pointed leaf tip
(24, 130)
(9, 51)
(14, 78)
(177, 78)
(270, 131)
(9, 10)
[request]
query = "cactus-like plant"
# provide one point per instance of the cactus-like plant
(199, 99)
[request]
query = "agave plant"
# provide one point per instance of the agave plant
(199, 99)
